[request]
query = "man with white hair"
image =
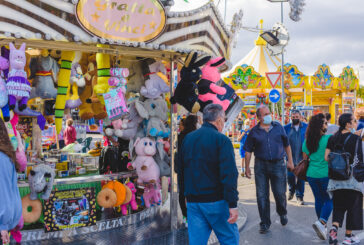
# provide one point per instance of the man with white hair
(270, 144)
(207, 164)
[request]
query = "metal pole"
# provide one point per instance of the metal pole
(282, 76)
(225, 11)
(174, 194)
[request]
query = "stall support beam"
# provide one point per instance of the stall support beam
(174, 190)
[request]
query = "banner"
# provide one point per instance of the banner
(25, 129)
(115, 103)
(70, 209)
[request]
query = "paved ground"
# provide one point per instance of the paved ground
(300, 219)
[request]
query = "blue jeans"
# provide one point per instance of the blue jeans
(295, 185)
(204, 217)
(275, 174)
(323, 203)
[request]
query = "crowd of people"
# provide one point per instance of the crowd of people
(207, 172)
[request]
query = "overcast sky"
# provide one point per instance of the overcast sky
(330, 31)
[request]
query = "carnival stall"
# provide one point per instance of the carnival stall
(320, 92)
(112, 67)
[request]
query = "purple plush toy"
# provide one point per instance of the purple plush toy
(18, 85)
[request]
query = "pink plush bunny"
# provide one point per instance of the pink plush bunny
(207, 88)
(20, 151)
(152, 194)
(18, 85)
(133, 204)
(145, 165)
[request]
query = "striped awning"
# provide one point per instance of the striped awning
(54, 20)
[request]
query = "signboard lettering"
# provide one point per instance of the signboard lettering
(125, 20)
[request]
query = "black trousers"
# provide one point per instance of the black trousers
(182, 204)
(351, 203)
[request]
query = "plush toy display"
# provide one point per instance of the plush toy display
(41, 121)
(63, 82)
(146, 168)
(44, 70)
(97, 108)
(162, 160)
(133, 204)
(106, 198)
(77, 80)
(103, 75)
(118, 78)
(155, 85)
(32, 209)
(41, 181)
(152, 195)
(186, 93)
(4, 65)
(17, 84)
(21, 158)
(155, 111)
(207, 88)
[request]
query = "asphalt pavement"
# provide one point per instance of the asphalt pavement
(299, 229)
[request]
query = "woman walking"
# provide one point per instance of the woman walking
(346, 194)
(10, 205)
(189, 125)
(317, 173)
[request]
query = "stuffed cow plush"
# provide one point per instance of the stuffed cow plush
(41, 181)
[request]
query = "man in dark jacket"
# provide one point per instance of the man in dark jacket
(207, 162)
(296, 133)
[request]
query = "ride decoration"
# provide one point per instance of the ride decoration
(323, 78)
(348, 80)
(245, 77)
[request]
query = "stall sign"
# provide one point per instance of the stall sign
(68, 209)
(25, 129)
(115, 103)
(124, 20)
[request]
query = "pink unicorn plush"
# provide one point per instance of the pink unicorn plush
(207, 88)
(133, 204)
(18, 85)
(152, 194)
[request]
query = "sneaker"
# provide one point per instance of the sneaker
(185, 221)
(351, 240)
(264, 229)
(320, 229)
(284, 220)
(290, 196)
(300, 201)
(333, 236)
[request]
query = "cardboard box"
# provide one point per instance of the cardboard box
(62, 166)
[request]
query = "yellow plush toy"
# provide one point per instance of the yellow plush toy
(63, 83)
(103, 74)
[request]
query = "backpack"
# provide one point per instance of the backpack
(358, 165)
(339, 163)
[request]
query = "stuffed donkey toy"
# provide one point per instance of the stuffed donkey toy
(155, 111)
(41, 181)
(186, 93)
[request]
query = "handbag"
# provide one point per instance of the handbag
(358, 165)
(300, 171)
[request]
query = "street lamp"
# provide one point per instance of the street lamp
(270, 38)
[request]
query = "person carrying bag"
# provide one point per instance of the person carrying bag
(345, 190)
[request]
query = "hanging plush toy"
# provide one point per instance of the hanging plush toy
(4, 65)
(118, 78)
(63, 82)
(156, 83)
(97, 108)
(155, 111)
(207, 88)
(41, 181)
(44, 70)
(146, 168)
(21, 158)
(17, 84)
(77, 80)
(103, 74)
(186, 93)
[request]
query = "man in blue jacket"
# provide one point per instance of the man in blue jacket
(296, 132)
(207, 162)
